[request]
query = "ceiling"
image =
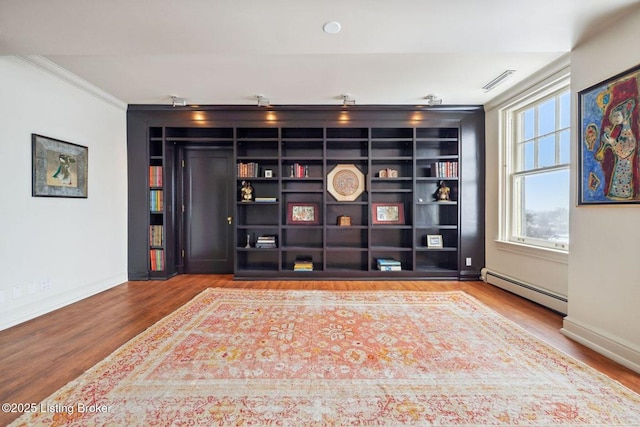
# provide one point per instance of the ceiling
(228, 51)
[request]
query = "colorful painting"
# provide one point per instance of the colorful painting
(302, 213)
(59, 168)
(609, 120)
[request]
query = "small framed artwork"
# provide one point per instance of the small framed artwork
(302, 213)
(608, 135)
(268, 173)
(434, 241)
(387, 213)
(58, 168)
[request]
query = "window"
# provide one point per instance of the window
(536, 179)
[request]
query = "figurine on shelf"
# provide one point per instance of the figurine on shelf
(442, 194)
(246, 191)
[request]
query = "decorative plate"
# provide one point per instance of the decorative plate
(345, 183)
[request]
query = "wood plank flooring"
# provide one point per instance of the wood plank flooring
(42, 355)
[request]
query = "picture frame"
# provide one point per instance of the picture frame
(345, 182)
(608, 136)
(387, 213)
(434, 241)
(302, 213)
(268, 173)
(58, 168)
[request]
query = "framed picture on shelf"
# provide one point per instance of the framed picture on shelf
(59, 168)
(387, 213)
(268, 173)
(434, 241)
(608, 135)
(302, 213)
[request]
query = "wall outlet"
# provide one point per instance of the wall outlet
(45, 285)
(33, 288)
(17, 291)
(468, 262)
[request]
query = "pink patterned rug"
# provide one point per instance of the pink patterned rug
(294, 358)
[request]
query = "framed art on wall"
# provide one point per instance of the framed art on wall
(387, 213)
(608, 135)
(58, 168)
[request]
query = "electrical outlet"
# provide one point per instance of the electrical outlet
(468, 262)
(17, 291)
(33, 288)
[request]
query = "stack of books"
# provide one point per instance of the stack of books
(389, 264)
(264, 199)
(266, 242)
(303, 263)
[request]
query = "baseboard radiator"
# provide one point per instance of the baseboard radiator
(541, 296)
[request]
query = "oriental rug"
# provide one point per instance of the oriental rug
(304, 358)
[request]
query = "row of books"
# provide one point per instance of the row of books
(303, 263)
(155, 176)
(155, 235)
(156, 200)
(388, 264)
(248, 170)
(157, 259)
(299, 171)
(266, 242)
(444, 169)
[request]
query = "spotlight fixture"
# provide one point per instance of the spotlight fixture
(347, 99)
(262, 101)
(178, 102)
(498, 80)
(433, 99)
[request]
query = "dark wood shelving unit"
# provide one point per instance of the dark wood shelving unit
(298, 151)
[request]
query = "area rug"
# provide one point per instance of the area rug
(304, 358)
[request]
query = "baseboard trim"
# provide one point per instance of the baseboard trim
(609, 346)
(61, 300)
(531, 292)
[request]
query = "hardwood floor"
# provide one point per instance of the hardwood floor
(42, 355)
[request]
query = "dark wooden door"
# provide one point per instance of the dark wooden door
(208, 193)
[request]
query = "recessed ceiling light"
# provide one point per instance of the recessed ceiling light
(332, 27)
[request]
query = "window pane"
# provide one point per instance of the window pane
(565, 110)
(547, 151)
(565, 154)
(528, 123)
(546, 206)
(547, 117)
(528, 156)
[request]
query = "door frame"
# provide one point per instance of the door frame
(180, 198)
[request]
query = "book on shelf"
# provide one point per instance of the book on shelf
(155, 235)
(155, 176)
(156, 200)
(299, 171)
(388, 264)
(266, 242)
(303, 263)
(157, 259)
(264, 199)
(444, 169)
(248, 170)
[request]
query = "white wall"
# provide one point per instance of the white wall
(604, 264)
(542, 269)
(73, 247)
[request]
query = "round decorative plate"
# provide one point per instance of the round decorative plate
(345, 183)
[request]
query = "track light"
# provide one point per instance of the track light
(178, 102)
(262, 101)
(347, 99)
(433, 99)
(495, 82)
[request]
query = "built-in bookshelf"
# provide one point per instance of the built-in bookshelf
(297, 224)
(156, 203)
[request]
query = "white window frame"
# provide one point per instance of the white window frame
(509, 192)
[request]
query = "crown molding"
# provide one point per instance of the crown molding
(76, 81)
